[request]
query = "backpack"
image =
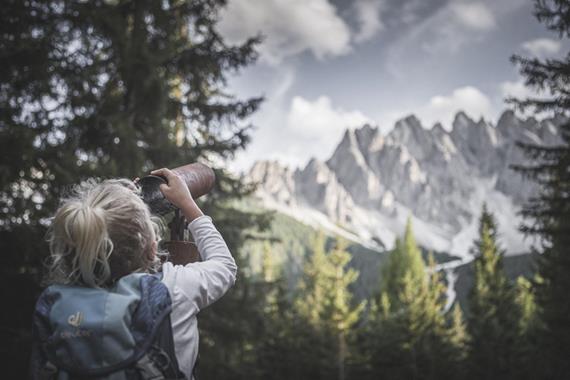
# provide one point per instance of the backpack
(119, 333)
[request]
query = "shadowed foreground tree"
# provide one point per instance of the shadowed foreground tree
(547, 214)
(107, 89)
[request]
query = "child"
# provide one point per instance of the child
(105, 232)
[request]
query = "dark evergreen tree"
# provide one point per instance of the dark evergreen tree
(405, 257)
(325, 301)
(458, 338)
(268, 352)
(410, 335)
(547, 213)
(529, 329)
(493, 315)
(107, 89)
(526, 302)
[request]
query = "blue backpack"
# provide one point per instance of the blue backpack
(119, 333)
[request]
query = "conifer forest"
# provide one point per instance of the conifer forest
(115, 88)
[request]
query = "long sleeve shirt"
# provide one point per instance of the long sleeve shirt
(194, 286)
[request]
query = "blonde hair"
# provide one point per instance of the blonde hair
(101, 232)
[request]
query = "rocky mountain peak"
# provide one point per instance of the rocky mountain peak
(410, 121)
(507, 121)
(372, 182)
(274, 180)
(462, 117)
(410, 133)
(367, 131)
(317, 169)
(438, 129)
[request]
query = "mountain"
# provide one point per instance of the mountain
(373, 182)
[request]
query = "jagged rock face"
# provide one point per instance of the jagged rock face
(423, 170)
(512, 130)
(477, 143)
(319, 188)
(432, 173)
(275, 181)
(353, 172)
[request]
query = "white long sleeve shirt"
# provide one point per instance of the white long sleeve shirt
(194, 286)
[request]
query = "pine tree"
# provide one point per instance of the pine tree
(111, 88)
(526, 302)
(493, 318)
(457, 334)
(528, 330)
(312, 286)
(548, 212)
(409, 334)
(405, 257)
(273, 349)
(342, 315)
(326, 300)
(268, 267)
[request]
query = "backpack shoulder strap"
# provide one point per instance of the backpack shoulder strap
(41, 331)
(161, 352)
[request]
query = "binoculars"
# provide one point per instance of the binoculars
(200, 180)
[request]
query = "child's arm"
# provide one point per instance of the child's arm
(204, 282)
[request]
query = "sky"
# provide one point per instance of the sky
(328, 65)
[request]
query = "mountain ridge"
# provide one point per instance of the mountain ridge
(373, 181)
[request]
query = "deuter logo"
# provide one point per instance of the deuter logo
(75, 319)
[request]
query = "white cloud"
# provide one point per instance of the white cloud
(318, 118)
(317, 126)
(515, 89)
(445, 32)
(269, 119)
(474, 15)
(518, 90)
(290, 27)
(308, 128)
(442, 108)
(368, 17)
(542, 47)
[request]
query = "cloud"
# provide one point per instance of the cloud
(318, 121)
(269, 119)
(368, 18)
(290, 27)
(542, 47)
(318, 118)
(474, 15)
(442, 108)
(516, 89)
(455, 26)
(447, 29)
(307, 128)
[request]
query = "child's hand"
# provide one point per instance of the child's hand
(175, 190)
